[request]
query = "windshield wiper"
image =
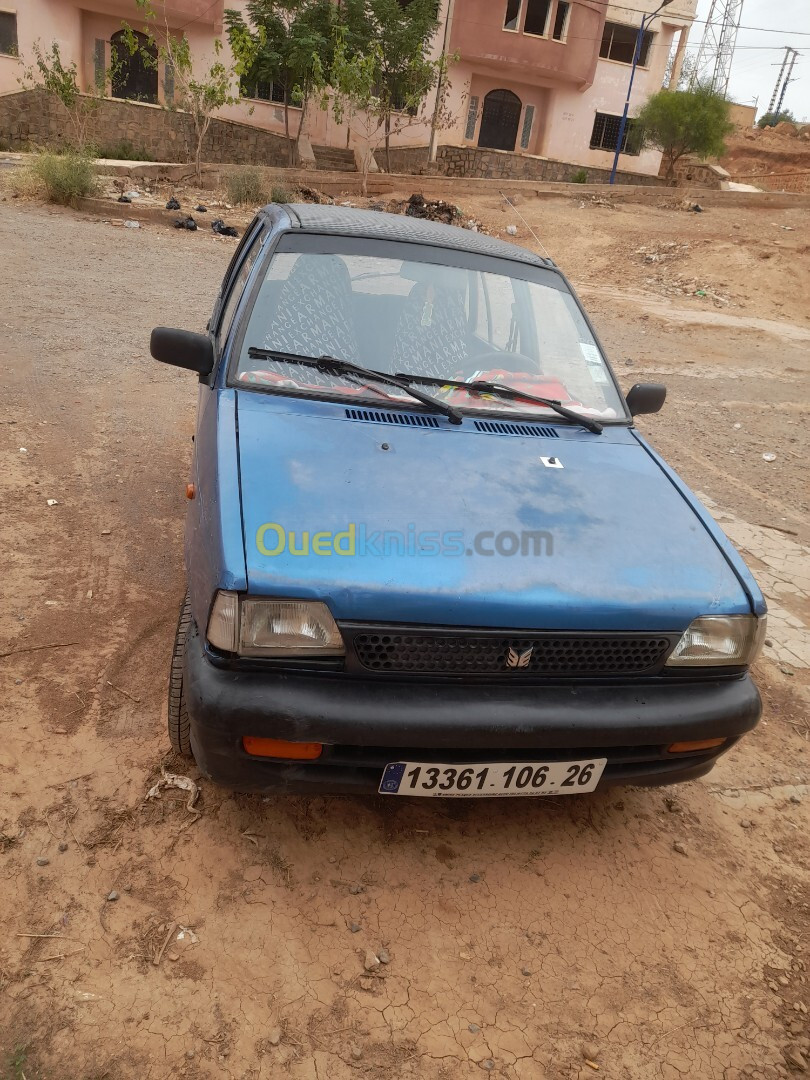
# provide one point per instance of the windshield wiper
(328, 364)
(479, 386)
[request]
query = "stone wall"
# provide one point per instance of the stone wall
(692, 171)
(33, 118)
(466, 161)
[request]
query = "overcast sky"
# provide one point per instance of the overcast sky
(759, 54)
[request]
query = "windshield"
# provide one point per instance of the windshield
(423, 319)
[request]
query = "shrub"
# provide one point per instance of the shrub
(580, 177)
(281, 194)
(66, 177)
(21, 183)
(123, 150)
(246, 188)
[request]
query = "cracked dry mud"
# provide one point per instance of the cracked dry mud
(520, 937)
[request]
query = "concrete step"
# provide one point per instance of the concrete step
(334, 159)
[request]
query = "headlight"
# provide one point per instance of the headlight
(273, 627)
(720, 640)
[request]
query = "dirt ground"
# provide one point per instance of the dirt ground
(551, 939)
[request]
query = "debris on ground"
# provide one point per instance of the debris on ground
(688, 204)
(124, 198)
(511, 230)
(221, 229)
(200, 209)
(132, 224)
(172, 204)
(186, 223)
(432, 209)
(312, 195)
(185, 783)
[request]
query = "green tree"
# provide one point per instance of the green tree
(199, 92)
(771, 119)
(278, 43)
(403, 35)
(50, 73)
(679, 122)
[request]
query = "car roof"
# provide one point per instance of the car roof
(349, 221)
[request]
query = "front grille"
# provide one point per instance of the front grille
(482, 654)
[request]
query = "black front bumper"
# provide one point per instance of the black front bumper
(366, 723)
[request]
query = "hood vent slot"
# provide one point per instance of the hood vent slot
(509, 427)
(373, 416)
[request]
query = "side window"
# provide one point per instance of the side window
(236, 285)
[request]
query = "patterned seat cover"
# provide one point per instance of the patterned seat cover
(431, 336)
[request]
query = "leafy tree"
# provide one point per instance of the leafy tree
(771, 119)
(55, 77)
(680, 122)
(403, 35)
(200, 94)
(278, 43)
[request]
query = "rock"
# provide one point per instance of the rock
(274, 1036)
(488, 1064)
(356, 1053)
(795, 1058)
(128, 887)
(783, 980)
(769, 457)
(63, 846)
(475, 878)
(473, 1029)
(112, 896)
(796, 799)
(525, 972)
(385, 956)
(680, 847)
(590, 1051)
(371, 961)
(43, 862)
(189, 1055)
(355, 927)
(746, 823)
(355, 890)
(173, 956)
(511, 230)
(368, 984)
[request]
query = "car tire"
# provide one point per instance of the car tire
(178, 718)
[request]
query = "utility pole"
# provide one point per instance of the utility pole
(787, 81)
(775, 93)
(645, 22)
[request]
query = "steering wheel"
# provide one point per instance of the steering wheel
(506, 361)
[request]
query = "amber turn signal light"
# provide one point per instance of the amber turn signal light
(691, 747)
(280, 748)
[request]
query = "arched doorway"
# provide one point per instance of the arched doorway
(500, 120)
(134, 75)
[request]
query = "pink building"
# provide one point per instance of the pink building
(537, 77)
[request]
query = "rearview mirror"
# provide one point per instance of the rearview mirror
(182, 349)
(646, 397)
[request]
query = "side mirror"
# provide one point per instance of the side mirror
(183, 349)
(646, 397)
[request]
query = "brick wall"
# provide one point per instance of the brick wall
(467, 161)
(34, 118)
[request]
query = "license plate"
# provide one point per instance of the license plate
(502, 779)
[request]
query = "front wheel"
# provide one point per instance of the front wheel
(179, 724)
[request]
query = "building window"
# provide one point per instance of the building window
(526, 131)
(472, 116)
(261, 90)
(537, 13)
(619, 43)
(561, 20)
(8, 34)
(512, 16)
(606, 133)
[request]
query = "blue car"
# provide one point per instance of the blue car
(428, 553)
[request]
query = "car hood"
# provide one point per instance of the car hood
(612, 542)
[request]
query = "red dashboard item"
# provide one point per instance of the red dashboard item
(535, 385)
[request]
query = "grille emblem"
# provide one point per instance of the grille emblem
(515, 659)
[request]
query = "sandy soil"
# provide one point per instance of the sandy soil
(139, 941)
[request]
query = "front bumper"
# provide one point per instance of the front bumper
(365, 723)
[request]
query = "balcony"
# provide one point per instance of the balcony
(200, 13)
(542, 41)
